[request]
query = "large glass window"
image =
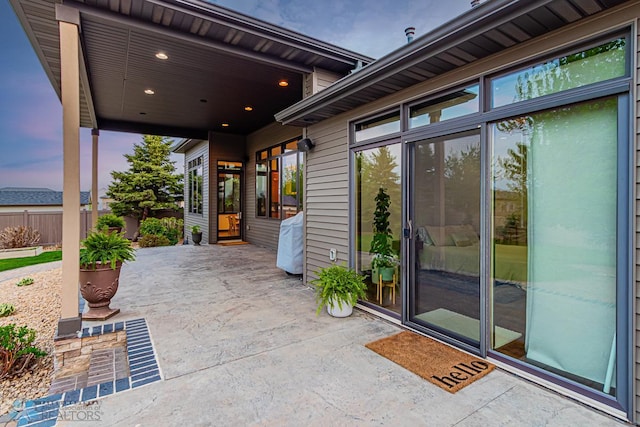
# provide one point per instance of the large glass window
(452, 105)
(194, 199)
(554, 240)
(279, 171)
(377, 177)
(377, 127)
(597, 64)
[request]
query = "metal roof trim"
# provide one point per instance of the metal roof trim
(483, 18)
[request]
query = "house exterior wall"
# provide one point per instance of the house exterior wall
(191, 219)
(262, 231)
(327, 166)
(317, 80)
(222, 147)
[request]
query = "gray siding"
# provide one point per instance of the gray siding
(222, 147)
(327, 195)
(262, 231)
(636, 318)
(317, 80)
(191, 219)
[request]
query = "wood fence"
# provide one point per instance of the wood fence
(49, 224)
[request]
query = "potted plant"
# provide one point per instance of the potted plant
(110, 221)
(196, 235)
(100, 263)
(339, 288)
(384, 260)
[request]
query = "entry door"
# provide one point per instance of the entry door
(229, 205)
(444, 210)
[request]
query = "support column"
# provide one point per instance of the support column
(95, 133)
(69, 21)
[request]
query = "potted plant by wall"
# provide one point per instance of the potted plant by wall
(338, 288)
(100, 263)
(384, 260)
(110, 221)
(196, 235)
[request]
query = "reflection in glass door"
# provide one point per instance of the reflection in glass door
(444, 294)
(229, 197)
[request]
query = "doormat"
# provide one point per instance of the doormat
(233, 243)
(438, 363)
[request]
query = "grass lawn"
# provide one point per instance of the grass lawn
(10, 264)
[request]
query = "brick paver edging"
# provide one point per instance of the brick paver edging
(143, 368)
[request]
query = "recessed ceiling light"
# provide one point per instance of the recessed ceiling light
(162, 55)
(225, 125)
(283, 83)
(149, 91)
(248, 108)
(204, 101)
(143, 114)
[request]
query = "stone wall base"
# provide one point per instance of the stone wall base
(71, 356)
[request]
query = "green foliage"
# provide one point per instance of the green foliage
(48, 256)
(195, 228)
(174, 228)
(18, 237)
(105, 248)
(17, 349)
(381, 243)
(25, 282)
(6, 309)
(171, 228)
(150, 184)
(109, 220)
(340, 284)
(152, 226)
(153, 240)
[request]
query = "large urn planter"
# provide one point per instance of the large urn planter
(97, 286)
(100, 261)
(196, 235)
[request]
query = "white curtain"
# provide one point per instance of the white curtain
(571, 291)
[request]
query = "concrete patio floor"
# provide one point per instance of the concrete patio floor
(238, 343)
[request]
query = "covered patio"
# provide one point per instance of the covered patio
(238, 342)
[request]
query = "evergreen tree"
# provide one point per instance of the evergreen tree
(150, 183)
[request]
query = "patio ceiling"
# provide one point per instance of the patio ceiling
(219, 62)
(482, 31)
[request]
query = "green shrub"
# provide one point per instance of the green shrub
(174, 228)
(17, 350)
(109, 220)
(152, 226)
(18, 237)
(25, 282)
(6, 309)
(153, 240)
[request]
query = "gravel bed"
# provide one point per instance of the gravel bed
(38, 307)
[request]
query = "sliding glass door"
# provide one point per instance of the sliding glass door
(444, 295)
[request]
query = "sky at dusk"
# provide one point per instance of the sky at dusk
(31, 114)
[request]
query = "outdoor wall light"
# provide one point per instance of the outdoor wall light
(162, 55)
(305, 144)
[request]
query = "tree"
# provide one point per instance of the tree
(150, 183)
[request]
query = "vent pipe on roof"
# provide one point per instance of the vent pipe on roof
(475, 3)
(410, 32)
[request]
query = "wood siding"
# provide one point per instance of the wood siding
(191, 219)
(262, 231)
(317, 80)
(327, 168)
